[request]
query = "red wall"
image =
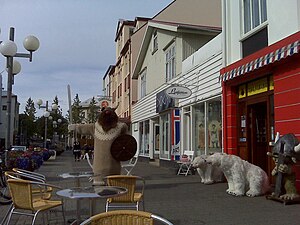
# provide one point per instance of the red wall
(229, 120)
(287, 98)
(287, 103)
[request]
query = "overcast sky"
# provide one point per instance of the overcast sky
(76, 44)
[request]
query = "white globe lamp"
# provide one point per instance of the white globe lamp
(31, 43)
(8, 48)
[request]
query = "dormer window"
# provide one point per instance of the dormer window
(255, 13)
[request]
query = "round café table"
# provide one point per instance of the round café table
(91, 193)
(76, 175)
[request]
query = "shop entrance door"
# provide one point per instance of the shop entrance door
(257, 134)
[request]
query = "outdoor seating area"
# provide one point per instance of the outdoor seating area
(164, 193)
(32, 196)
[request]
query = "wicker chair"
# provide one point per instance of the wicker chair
(35, 175)
(24, 202)
(132, 198)
(125, 217)
(44, 192)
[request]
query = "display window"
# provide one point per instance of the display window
(207, 117)
(165, 142)
(144, 137)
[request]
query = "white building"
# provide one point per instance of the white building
(157, 119)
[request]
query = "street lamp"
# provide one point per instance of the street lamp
(46, 115)
(9, 50)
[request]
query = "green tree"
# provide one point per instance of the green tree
(30, 109)
(55, 101)
(27, 127)
(92, 111)
(77, 110)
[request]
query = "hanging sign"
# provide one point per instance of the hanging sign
(177, 91)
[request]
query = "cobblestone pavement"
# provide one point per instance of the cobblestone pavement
(181, 199)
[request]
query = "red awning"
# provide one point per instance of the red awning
(280, 50)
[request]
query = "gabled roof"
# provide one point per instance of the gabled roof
(86, 103)
(120, 26)
(109, 70)
(169, 26)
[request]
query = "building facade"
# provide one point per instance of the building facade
(157, 119)
(201, 113)
(3, 118)
(261, 77)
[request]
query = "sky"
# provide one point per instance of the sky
(76, 44)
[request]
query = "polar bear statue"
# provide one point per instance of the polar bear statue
(243, 177)
(208, 173)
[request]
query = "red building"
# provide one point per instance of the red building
(261, 96)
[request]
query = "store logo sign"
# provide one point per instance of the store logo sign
(177, 91)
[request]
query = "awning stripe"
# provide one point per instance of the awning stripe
(271, 57)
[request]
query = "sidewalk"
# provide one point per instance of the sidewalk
(182, 200)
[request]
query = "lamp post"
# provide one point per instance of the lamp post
(46, 115)
(9, 50)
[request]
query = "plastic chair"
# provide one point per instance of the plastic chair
(24, 203)
(135, 194)
(185, 163)
(129, 165)
(125, 217)
(88, 158)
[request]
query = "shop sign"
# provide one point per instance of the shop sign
(163, 102)
(257, 87)
(178, 92)
(242, 91)
(271, 85)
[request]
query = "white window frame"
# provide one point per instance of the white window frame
(165, 136)
(249, 11)
(144, 130)
(155, 41)
(170, 62)
(143, 83)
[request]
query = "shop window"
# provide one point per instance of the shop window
(186, 134)
(144, 137)
(214, 123)
(165, 136)
(207, 128)
(200, 128)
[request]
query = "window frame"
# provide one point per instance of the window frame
(170, 57)
(253, 23)
(155, 41)
(143, 89)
